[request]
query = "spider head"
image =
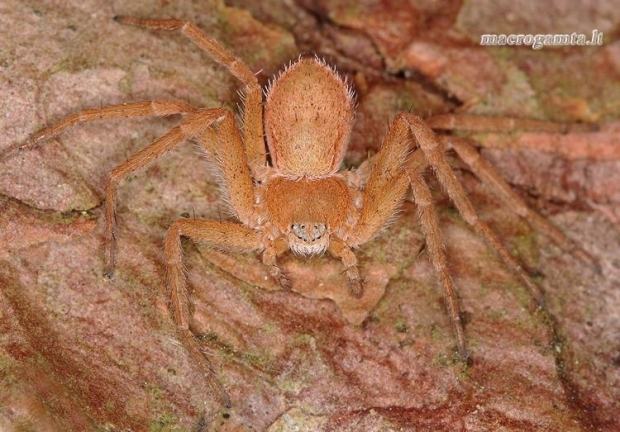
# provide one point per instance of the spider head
(308, 238)
(306, 212)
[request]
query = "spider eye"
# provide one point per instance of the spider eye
(309, 233)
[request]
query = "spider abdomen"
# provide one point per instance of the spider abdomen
(308, 117)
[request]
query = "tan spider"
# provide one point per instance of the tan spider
(300, 201)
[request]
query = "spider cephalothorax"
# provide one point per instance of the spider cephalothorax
(301, 202)
(308, 211)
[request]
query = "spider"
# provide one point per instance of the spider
(295, 197)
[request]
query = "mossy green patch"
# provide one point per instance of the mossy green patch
(163, 423)
(401, 326)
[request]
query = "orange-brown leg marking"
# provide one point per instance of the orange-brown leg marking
(221, 235)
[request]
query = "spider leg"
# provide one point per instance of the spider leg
(433, 152)
(472, 123)
(430, 227)
(222, 235)
(383, 193)
(498, 186)
(112, 112)
(224, 145)
(194, 125)
(386, 186)
(394, 169)
(253, 108)
(273, 250)
(340, 250)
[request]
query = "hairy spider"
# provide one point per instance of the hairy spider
(300, 201)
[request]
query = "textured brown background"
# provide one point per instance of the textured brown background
(78, 352)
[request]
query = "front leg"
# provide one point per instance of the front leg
(221, 235)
